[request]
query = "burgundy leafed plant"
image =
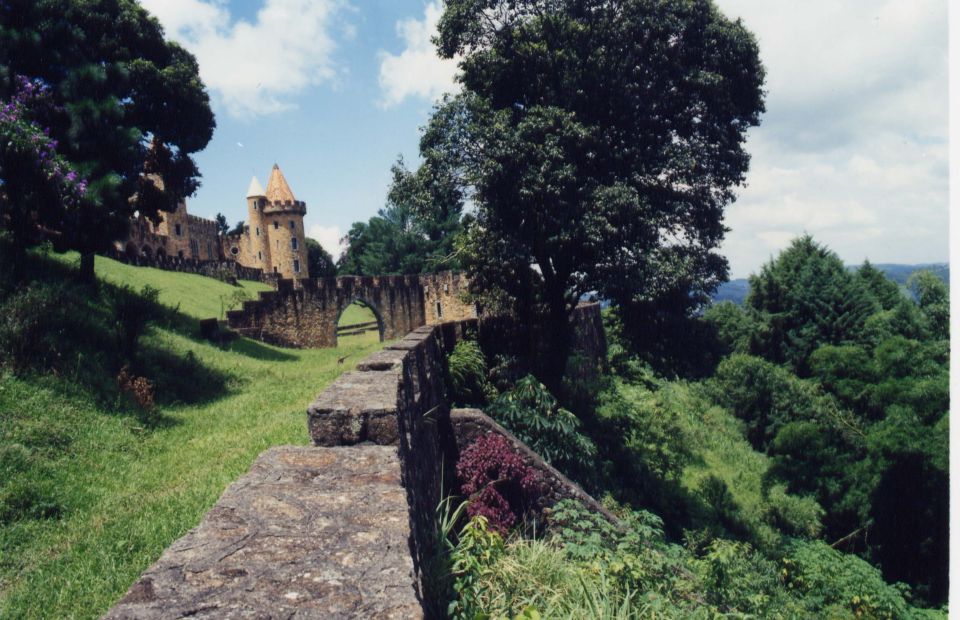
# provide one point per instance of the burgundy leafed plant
(497, 482)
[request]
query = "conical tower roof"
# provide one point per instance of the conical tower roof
(277, 188)
(255, 190)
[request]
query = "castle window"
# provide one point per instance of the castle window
(258, 231)
(234, 250)
(259, 255)
(293, 226)
(296, 266)
(439, 311)
(195, 248)
(274, 269)
(178, 230)
(294, 244)
(276, 225)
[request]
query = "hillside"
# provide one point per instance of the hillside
(91, 489)
(736, 290)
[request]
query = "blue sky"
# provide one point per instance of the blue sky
(853, 148)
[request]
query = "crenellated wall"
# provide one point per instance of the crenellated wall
(306, 314)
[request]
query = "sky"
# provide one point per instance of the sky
(853, 148)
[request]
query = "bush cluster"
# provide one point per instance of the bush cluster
(499, 484)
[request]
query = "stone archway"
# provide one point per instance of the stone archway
(342, 308)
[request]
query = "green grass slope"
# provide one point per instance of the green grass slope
(100, 493)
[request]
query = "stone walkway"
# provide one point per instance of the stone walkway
(308, 533)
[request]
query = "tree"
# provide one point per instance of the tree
(36, 183)
(415, 231)
(806, 298)
(934, 300)
(222, 226)
(885, 290)
(319, 261)
(129, 107)
(604, 141)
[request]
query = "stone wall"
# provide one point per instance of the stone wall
(397, 396)
(306, 315)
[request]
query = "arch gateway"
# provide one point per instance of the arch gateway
(306, 315)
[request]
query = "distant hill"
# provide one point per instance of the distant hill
(736, 290)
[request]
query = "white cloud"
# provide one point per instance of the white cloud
(329, 237)
(853, 148)
(417, 71)
(255, 68)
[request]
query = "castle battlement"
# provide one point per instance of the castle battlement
(273, 238)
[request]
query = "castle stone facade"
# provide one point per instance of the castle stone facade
(273, 238)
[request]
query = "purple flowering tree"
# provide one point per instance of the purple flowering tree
(39, 189)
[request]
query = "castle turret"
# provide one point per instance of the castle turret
(282, 220)
(259, 243)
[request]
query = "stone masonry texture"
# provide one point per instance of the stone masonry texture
(305, 314)
(307, 533)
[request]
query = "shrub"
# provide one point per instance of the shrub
(531, 413)
(830, 580)
(467, 373)
(138, 389)
(132, 313)
(472, 560)
(34, 324)
(792, 515)
(500, 485)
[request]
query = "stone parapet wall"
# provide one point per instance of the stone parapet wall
(210, 268)
(307, 533)
(398, 397)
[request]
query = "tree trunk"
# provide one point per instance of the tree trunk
(558, 338)
(87, 273)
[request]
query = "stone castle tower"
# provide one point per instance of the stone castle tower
(273, 239)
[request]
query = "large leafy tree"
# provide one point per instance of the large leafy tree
(129, 107)
(605, 140)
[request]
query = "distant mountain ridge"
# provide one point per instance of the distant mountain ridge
(736, 290)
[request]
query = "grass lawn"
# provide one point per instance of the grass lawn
(107, 492)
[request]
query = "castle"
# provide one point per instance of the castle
(272, 240)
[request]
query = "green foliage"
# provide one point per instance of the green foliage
(467, 373)
(653, 443)
(477, 550)
(34, 324)
(806, 298)
(793, 515)
(882, 288)
(319, 261)
(132, 313)
(934, 300)
(841, 585)
(767, 397)
(115, 84)
(531, 413)
(573, 184)
(415, 232)
(734, 326)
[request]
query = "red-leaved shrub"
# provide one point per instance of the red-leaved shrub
(498, 482)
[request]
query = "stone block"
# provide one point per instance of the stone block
(387, 359)
(342, 414)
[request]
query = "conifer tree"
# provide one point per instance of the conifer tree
(127, 102)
